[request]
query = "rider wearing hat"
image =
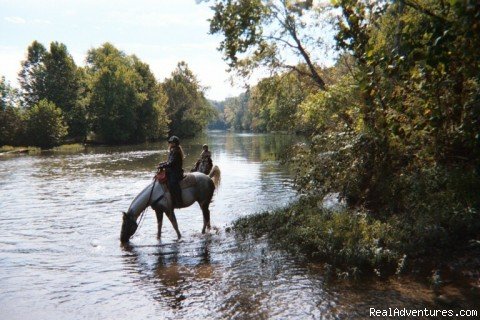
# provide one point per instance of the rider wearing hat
(174, 170)
(204, 164)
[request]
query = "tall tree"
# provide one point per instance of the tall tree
(187, 106)
(11, 124)
(152, 117)
(269, 33)
(114, 95)
(274, 102)
(53, 75)
(32, 75)
(62, 87)
(237, 113)
(45, 125)
(125, 102)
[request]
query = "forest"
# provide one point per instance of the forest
(114, 99)
(392, 124)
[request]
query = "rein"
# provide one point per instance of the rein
(142, 215)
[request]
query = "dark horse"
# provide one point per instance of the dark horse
(196, 187)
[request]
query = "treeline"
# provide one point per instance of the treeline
(280, 103)
(394, 126)
(114, 99)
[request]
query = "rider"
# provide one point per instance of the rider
(174, 169)
(204, 164)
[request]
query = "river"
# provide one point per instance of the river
(60, 218)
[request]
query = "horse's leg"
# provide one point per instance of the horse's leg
(206, 215)
(173, 220)
(159, 214)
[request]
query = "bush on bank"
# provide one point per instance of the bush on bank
(442, 215)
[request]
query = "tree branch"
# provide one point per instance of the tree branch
(423, 10)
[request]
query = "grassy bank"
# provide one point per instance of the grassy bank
(441, 224)
(18, 150)
(74, 147)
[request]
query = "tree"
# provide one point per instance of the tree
(152, 117)
(274, 102)
(187, 106)
(270, 33)
(11, 125)
(62, 87)
(219, 122)
(237, 114)
(53, 75)
(32, 75)
(45, 125)
(125, 102)
(114, 95)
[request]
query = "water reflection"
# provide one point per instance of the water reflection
(60, 254)
(179, 275)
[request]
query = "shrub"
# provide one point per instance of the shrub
(45, 125)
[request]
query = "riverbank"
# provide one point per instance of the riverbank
(5, 150)
(354, 244)
(9, 150)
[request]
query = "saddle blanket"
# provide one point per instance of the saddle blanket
(187, 182)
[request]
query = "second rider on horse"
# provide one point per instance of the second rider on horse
(204, 164)
(174, 169)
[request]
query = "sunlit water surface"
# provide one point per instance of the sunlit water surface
(60, 217)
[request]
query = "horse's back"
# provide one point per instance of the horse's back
(204, 185)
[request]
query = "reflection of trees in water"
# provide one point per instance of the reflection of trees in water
(258, 147)
(142, 158)
(169, 274)
(224, 277)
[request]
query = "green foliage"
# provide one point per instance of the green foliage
(32, 75)
(396, 133)
(113, 95)
(219, 122)
(237, 114)
(45, 125)
(240, 22)
(349, 241)
(152, 117)
(439, 213)
(274, 102)
(53, 75)
(11, 124)
(260, 33)
(62, 87)
(187, 107)
(125, 103)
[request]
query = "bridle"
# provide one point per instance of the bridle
(142, 215)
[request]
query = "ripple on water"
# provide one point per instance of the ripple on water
(61, 257)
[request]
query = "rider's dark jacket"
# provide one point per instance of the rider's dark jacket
(174, 172)
(174, 163)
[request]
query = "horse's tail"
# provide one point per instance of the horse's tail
(215, 176)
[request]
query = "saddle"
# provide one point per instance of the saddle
(187, 181)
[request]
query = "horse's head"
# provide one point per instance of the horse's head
(129, 226)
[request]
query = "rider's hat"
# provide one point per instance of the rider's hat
(174, 139)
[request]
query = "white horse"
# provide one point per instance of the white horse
(195, 186)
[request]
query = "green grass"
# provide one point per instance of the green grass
(355, 241)
(74, 147)
(13, 150)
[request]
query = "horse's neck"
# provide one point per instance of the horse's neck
(143, 200)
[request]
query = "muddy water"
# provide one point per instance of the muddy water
(60, 256)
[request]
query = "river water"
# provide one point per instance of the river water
(60, 255)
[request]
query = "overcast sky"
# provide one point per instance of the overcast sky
(160, 32)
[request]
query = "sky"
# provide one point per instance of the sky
(160, 32)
